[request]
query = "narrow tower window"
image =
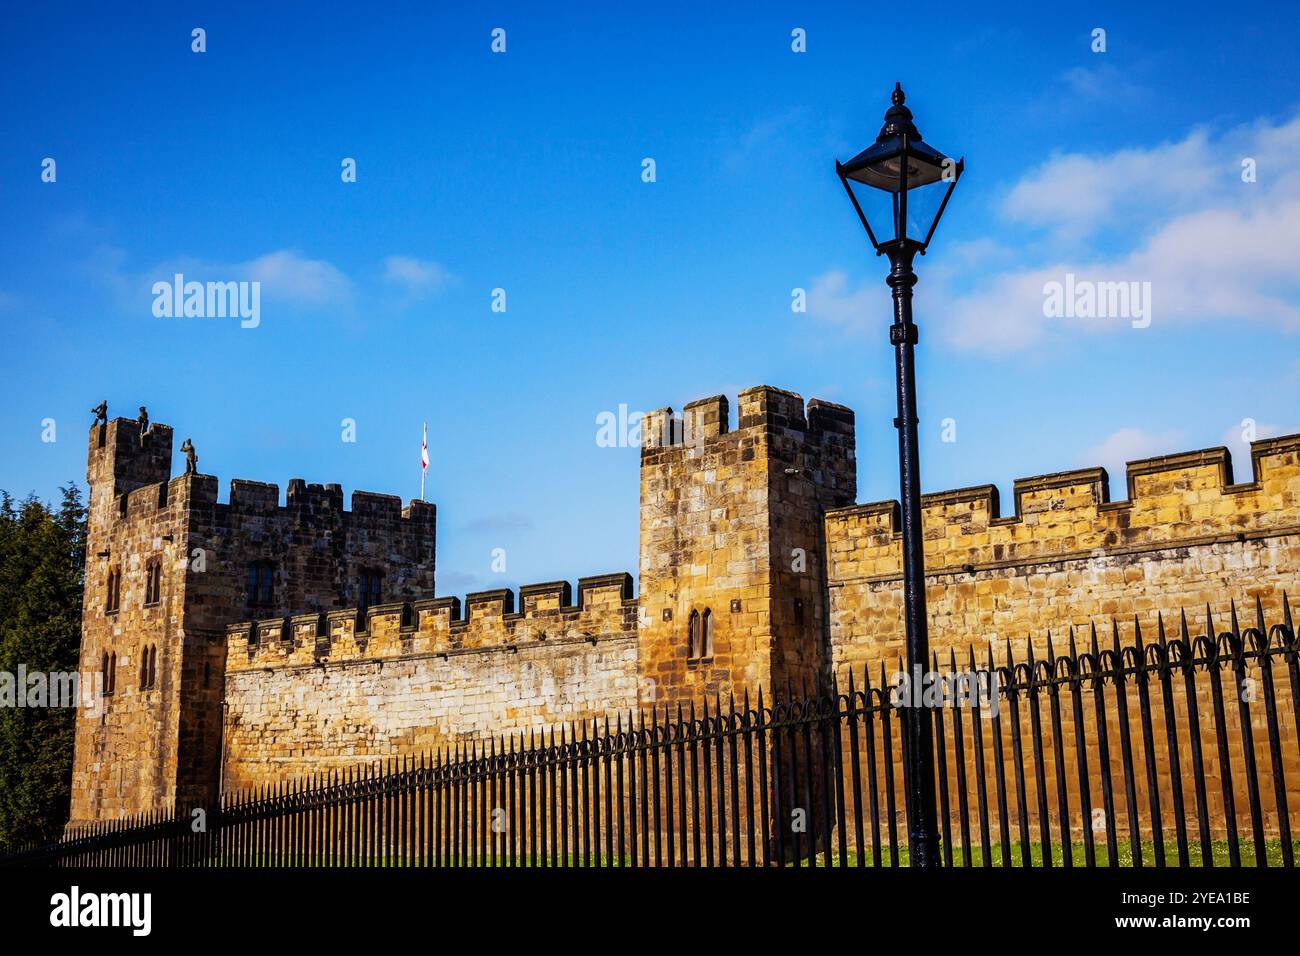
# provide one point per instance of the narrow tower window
(706, 634)
(153, 582)
(693, 637)
(113, 590)
(261, 591)
(371, 591)
(148, 667)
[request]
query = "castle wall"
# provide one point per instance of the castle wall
(314, 692)
(316, 551)
(1186, 536)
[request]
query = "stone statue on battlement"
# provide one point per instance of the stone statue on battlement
(100, 412)
(191, 459)
(144, 424)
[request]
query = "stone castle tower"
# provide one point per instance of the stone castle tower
(731, 570)
(249, 643)
(168, 568)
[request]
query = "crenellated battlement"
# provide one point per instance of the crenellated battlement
(302, 501)
(1184, 498)
(483, 621)
(705, 420)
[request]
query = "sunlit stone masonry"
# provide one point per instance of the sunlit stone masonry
(250, 642)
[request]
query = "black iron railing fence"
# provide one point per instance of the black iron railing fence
(1182, 749)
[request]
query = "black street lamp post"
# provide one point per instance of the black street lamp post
(915, 182)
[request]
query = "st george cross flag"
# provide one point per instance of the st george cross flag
(424, 458)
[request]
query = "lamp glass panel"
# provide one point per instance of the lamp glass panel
(922, 206)
(880, 209)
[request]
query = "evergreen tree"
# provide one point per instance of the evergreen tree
(42, 566)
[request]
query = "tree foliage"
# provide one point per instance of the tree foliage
(42, 565)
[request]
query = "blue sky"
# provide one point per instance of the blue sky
(522, 171)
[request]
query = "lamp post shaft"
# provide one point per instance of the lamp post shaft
(923, 837)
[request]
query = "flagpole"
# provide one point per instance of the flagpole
(424, 464)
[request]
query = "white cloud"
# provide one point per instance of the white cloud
(417, 277)
(1213, 248)
(1073, 195)
(768, 141)
(287, 277)
(1100, 81)
(831, 299)
(1120, 447)
(290, 276)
